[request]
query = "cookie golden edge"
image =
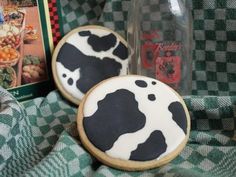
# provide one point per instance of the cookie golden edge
(128, 165)
(62, 90)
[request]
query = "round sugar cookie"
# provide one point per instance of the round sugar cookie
(86, 56)
(133, 122)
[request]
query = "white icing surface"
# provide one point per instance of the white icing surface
(80, 42)
(158, 117)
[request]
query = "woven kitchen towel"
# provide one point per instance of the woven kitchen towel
(214, 37)
(39, 138)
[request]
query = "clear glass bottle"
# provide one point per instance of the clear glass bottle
(159, 37)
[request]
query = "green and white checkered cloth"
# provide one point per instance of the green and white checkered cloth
(39, 137)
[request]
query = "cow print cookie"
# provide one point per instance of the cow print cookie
(133, 122)
(86, 56)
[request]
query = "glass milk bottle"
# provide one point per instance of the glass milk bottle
(159, 37)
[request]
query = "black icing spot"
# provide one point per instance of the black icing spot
(116, 115)
(84, 33)
(70, 81)
(154, 83)
(151, 149)
(64, 75)
(151, 97)
(99, 44)
(179, 115)
(92, 69)
(121, 51)
(141, 83)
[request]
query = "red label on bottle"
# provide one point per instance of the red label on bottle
(168, 66)
(151, 35)
(168, 69)
(148, 55)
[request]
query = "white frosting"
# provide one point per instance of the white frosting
(80, 42)
(158, 117)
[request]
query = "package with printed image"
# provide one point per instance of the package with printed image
(159, 36)
(27, 39)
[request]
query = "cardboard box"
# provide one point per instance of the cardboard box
(29, 30)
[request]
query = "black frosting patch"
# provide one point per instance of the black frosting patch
(154, 83)
(98, 43)
(64, 75)
(179, 115)
(116, 115)
(151, 149)
(92, 69)
(141, 83)
(151, 97)
(84, 33)
(70, 81)
(121, 51)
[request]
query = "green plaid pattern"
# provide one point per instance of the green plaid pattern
(40, 139)
(214, 66)
(214, 38)
(114, 15)
(77, 13)
(154, 16)
(11, 115)
(109, 13)
(212, 113)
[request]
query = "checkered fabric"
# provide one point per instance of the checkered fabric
(76, 13)
(214, 28)
(40, 139)
(214, 37)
